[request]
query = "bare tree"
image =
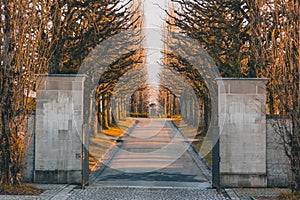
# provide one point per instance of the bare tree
(221, 27)
(251, 38)
(82, 25)
(25, 45)
(37, 36)
(276, 39)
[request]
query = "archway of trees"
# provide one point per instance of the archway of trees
(139, 102)
(169, 103)
(190, 73)
(245, 39)
(115, 71)
(41, 37)
(252, 39)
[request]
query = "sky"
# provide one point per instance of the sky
(154, 16)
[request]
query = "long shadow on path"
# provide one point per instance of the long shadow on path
(153, 153)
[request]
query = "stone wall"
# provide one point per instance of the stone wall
(59, 119)
(242, 122)
(278, 167)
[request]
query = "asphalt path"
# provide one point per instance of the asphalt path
(153, 154)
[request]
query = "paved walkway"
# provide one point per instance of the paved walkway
(155, 159)
(153, 151)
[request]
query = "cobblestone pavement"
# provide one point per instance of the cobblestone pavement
(51, 191)
(125, 193)
(122, 193)
(254, 193)
(100, 192)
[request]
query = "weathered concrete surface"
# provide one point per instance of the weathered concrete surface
(242, 124)
(59, 118)
(278, 165)
(153, 154)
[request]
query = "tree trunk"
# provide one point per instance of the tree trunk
(183, 107)
(104, 114)
(206, 117)
(7, 176)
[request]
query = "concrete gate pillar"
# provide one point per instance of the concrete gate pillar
(58, 139)
(242, 122)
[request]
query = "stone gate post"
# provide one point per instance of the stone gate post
(242, 123)
(59, 118)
